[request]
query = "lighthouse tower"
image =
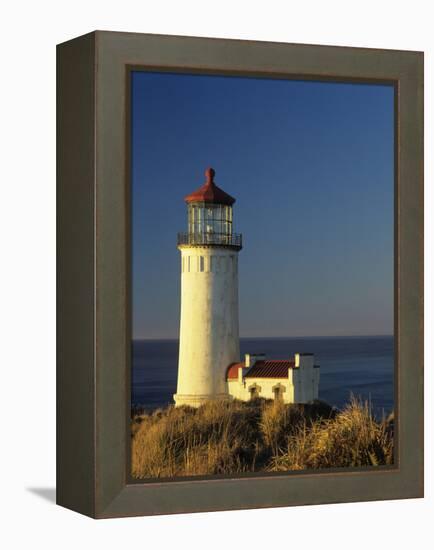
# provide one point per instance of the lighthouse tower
(209, 338)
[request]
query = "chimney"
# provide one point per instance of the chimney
(304, 360)
(252, 358)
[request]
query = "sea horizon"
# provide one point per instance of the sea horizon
(172, 339)
(361, 365)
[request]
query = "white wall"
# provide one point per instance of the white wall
(30, 30)
(265, 388)
(301, 386)
(209, 339)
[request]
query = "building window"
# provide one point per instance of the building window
(201, 263)
(254, 392)
(277, 394)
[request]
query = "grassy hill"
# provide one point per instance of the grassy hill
(227, 437)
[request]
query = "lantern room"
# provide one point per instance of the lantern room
(210, 216)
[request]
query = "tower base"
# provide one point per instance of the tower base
(198, 400)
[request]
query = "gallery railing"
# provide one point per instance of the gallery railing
(222, 239)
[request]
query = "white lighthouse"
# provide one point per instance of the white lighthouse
(209, 350)
(209, 337)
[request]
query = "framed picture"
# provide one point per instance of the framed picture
(240, 274)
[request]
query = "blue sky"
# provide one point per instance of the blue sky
(311, 167)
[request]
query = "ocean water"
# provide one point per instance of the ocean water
(363, 366)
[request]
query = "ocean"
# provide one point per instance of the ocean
(363, 366)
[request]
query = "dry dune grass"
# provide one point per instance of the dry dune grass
(226, 437)
(186, 441)
(351, 439)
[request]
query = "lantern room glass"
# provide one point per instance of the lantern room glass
(208, 221)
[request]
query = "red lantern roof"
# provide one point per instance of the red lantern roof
(209, 192)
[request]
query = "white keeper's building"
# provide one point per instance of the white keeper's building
(209, 350)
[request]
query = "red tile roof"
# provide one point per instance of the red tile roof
(232, 372)
(272, 368)
(209, 192)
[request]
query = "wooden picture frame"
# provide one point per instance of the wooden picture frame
(93, 366)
